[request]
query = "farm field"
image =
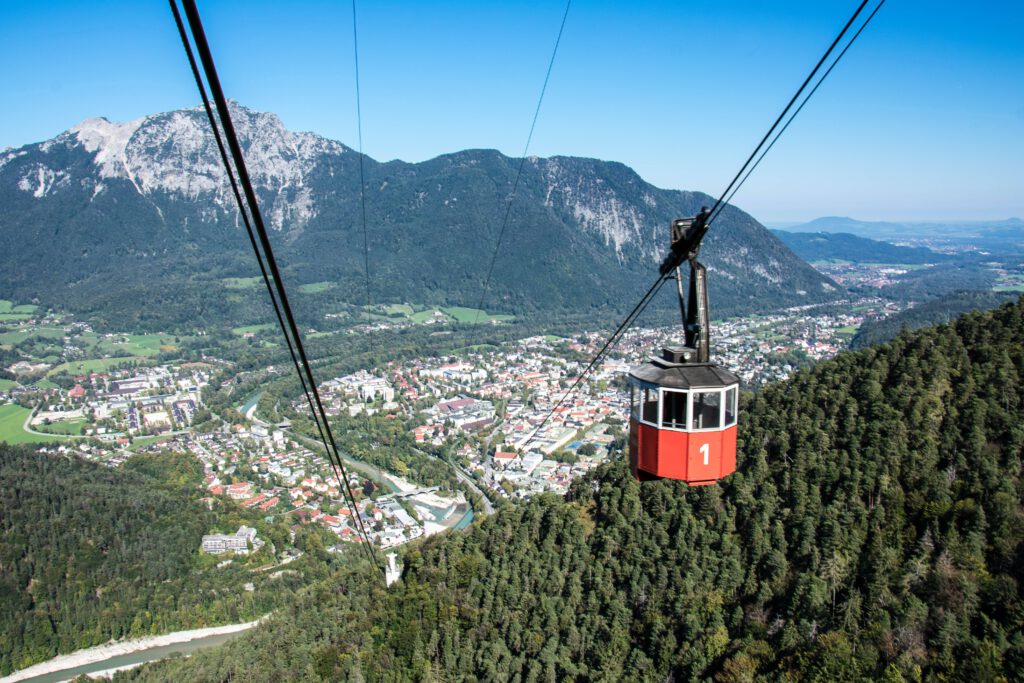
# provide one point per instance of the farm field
(469, 315)
(316, 287)
(135, 345)
(68, 427)
(246, 329)
(7, 306)
(241, 282)
(419, 314)
(12, 418)
(399, 309)
(12, 313)
(76, 367)
(22, 333)
(423, 316)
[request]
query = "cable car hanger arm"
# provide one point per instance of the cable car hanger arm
(687, 234)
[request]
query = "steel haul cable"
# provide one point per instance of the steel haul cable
(313, 395)
(722, 202)
(362, 174)
(798, 109)
(238, 199)
(519, 171)
(789, 106)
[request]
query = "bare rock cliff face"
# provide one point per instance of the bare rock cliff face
(148, 200)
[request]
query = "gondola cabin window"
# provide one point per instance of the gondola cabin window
(731, 395)
(647, 410)
(706, 410)
(673, 409)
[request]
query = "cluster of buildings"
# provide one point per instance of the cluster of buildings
(240, 543)
(262, 469)
(504, 408)
(462, 413)
(861, 274)
(501, 412)
(357, 393)
(116, 404)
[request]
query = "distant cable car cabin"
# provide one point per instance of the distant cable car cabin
(683, 408)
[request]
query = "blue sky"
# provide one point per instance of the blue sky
(923, 119)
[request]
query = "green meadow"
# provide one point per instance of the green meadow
(135, 345)
(317, 287)
(241, 282)
(421, 314)
(12, 419)
(20, 334)
(471, 315)
(77, 367)
(246, 329)
(64, 427)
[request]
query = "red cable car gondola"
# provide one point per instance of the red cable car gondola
(683, 408)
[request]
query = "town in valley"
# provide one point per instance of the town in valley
(500, 418)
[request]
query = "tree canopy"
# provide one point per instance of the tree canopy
(874, 531)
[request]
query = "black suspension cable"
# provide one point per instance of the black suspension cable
(259, 258)
(205, 55)
(798, 109)
(519, 171)
(362, 174)
(721, 202)
(241, 205)
(796, 95)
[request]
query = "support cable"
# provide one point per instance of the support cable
(203, 48)
(241, 205)
(519, 171)
(608, 345)
(722, 201)
(362, 174)
(792, 100)
(798, 109)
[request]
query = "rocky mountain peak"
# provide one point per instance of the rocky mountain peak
(152, 192)
(107, 141)
(175, 153)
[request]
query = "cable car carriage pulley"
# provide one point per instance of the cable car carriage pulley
(683, 407)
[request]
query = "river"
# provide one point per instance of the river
(466, 520)
(123, 659)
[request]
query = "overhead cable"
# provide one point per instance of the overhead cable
(519, 171)
(362, 173)
(722, 201)
(792, 100)
(290, 331)
(798, 109)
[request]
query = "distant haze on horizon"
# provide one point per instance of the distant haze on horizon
(922, 121)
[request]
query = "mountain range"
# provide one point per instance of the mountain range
(994, 233)
(134, 222)
(813, 246)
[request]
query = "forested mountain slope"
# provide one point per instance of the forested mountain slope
(935, 312)
(816, 246)
(89, 554)
(147, 205)
(874, 531)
